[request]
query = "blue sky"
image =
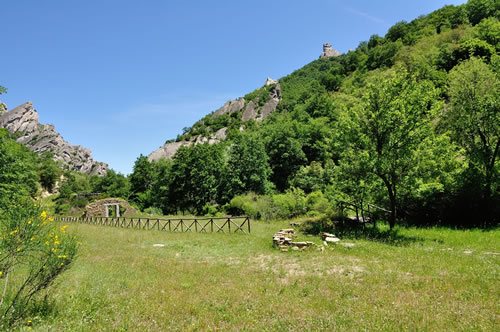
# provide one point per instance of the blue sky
(120, 77)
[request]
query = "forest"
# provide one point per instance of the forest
(408, 122)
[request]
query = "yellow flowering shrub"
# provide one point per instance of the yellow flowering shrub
(33, 252)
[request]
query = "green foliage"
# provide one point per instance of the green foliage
(33, 253)
(388, 127)
(383, 124)
(247, 167)
(112, 184)
(475, 119)
(284, 149)
(18, 177)
(141, 181)
(196, 177)
(480, 9)
(49, 172)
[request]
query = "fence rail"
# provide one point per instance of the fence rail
(207, 225)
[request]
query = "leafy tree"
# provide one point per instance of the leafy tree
(112, 184)
(479, 9)
(197, 176)
(141, 181)
(388, 127)
(49, 172)
(284, 149)
(161, 185)
(18, 177)
(474, 117)
(247, 166)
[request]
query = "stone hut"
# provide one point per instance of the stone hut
(109, 207)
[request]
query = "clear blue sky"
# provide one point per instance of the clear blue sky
(120, 77)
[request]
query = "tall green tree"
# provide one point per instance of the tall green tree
(388, 127)
(48, 171)
(141, 181)
(474, 116)
(247, 167)
(18, 177)
(284, 149)
(197, 177)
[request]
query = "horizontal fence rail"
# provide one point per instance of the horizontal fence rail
(200, 225)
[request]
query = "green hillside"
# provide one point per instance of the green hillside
(408, 121)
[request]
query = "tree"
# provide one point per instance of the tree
(474, 117)
(479, 9)
(48, 171)
(388, 127)
(141, 181)
(197, 177)
(284, 149)
(112, 183)
(18, 177)
(247, 167)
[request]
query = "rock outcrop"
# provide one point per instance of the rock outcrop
(40, 138)
(250, 110)
(328, 51)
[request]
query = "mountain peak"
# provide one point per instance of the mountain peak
(41, 138)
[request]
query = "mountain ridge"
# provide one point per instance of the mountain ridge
(23, 120)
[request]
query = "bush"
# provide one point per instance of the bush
(210, 210)
(33, 252)
(153, 210)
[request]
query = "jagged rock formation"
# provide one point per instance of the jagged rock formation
(250, 110)
(41, 138)
(328, 51)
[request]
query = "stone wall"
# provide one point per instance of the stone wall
(98, 208)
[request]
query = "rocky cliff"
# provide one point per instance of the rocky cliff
(41, 138)
(254, 106)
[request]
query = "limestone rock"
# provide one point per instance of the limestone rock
(332, 240)
(250, 110)
(41, 138)
(270, 81)
(328, 51)
(230, 107)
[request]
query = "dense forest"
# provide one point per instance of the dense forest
(409, 122)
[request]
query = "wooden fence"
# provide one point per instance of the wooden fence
(207, 225)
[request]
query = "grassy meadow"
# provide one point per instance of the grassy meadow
(426, 280)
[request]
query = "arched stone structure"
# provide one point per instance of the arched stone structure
(102, 207)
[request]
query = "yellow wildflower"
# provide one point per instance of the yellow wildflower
(29, 222)
(32, 238)
(14, 232)
(1, 273)
(18, 249)
(63, 228)
(61, 256)
(47, 243)
(56, 242)
(44, 215)
(62, 264)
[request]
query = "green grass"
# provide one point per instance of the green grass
(203, 282)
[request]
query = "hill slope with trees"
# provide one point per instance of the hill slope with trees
(409, 121)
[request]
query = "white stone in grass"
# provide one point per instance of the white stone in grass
(467, 252)
(332, 240)
(158, 245)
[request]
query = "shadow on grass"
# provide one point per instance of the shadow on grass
(353, 230)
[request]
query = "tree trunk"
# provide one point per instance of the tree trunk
(392, 198)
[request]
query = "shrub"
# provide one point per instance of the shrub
(153, 210)
(33, 252)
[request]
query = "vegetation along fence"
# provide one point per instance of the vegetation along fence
(207, 225)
